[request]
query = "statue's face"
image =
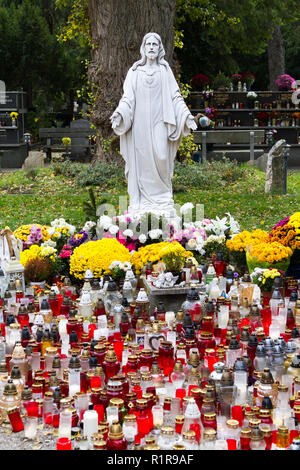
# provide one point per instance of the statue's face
(151, 48)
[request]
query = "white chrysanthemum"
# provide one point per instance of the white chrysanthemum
(49, 242)
(127, 265)
(128, 233)
(88, 226)
(142, 238)
(113, 229)
(105, 222)
(155, 234)
(187, 207)
(215, 238)
(115, 264)
(192, 244)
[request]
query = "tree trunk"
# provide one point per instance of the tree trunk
(276, 57)
(117, 30)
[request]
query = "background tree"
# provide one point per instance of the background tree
(32, 59)
(116, 31)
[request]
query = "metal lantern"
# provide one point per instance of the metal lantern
(14, 270)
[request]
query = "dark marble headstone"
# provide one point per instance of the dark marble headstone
(79, 145)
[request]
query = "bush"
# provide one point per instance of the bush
(101, 174)
(213, 174)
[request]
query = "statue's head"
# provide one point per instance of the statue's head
(149, 39)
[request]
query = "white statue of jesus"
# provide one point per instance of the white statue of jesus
(151, 120)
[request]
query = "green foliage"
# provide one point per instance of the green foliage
(221, 80)
(32, 173)
(210, 175)
(90, 207)
(32, 59)
(214, 247)
(77, 24)
(187, 148)
(105, 175)
(178, 39)
(236, 43)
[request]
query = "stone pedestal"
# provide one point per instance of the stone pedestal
(172, 297)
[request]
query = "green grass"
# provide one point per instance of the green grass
(41, 197)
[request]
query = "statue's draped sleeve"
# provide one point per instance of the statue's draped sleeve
(126, 108)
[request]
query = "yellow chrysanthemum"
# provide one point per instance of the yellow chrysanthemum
(242, 240)
(155, 252)
(97, 256)
(23, 231)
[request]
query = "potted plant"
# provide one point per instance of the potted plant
(284, 82)
(221, 82)
(251, 97)
(200, 82)
(264, 278)
(248, 78)
(235, 79)
(38, 270)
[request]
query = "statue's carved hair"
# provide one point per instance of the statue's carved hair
(161, 52)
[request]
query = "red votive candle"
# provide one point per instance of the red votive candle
(237, 413)
(64, 443)
(15, 419)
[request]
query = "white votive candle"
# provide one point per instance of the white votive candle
(90, 423)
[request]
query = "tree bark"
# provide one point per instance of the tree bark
(117, 30)
(276, 57)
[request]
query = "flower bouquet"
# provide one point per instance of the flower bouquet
(235, 79)
(248, 78)
(39, 263)
(287, 232)
(155, 252)
(268, 255)
(285, 82)
(207, 94)
(14, 116)
(97, 256)
(238, 245)
(200, 81)
(251, 96)
(174, 256)
(264, 278)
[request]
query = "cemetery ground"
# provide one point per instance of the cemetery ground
(60, 190)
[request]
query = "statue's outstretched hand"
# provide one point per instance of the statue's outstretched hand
(190, 122)
(115, 119)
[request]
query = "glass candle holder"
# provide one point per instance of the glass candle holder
(48, 408)
(90, 423)
(30, 426)
(15, 419)
(112, 414)
(32, 409)
(63, 443)
(100, 411)
(158, 416)
(129, 427)
(65, 424)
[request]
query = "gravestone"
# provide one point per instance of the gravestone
(260, 162)
(35, 159)
(275, 173)
(79, 145)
